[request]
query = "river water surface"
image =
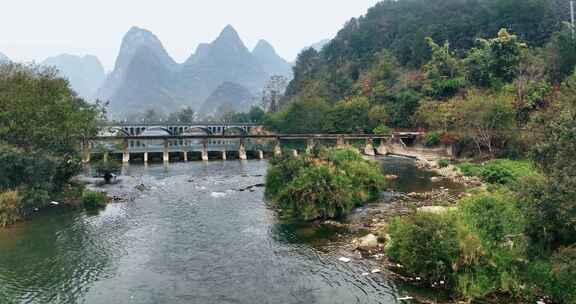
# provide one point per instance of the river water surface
(191, 236)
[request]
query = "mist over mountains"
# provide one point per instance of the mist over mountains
(4, 58)
(86, 74)
(145, 76)
(223, 75)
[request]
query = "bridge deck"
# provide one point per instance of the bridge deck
(262, 136)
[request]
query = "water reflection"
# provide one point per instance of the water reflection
(190, 237)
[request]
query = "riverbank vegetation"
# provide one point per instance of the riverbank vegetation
(94, 200)
(41, 123)
(323, 184)
(512, 240)
(496, 81)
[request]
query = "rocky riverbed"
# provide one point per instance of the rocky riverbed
(368, 226)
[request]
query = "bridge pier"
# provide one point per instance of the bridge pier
(86, 152)
(166, 154)
(242, 150)
(340, 142)
(309, 145)
(294, 153)
(369, 149)
(205, 149)
(224, 155)
(125, 152)
(382, 150)
(277, 149)
(146, 157)
(260, 154)
(185, 155)
(106, 156)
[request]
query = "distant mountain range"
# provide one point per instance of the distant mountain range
(85, 74)
(145, 76)
(4, 58)
(220, 76)
(226, 98)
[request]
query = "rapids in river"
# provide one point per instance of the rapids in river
(190, 233)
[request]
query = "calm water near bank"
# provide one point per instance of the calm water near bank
(190, 237)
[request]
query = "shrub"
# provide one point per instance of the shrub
(33, 198)
(555, 277)
(500, 171)
(564, 273)
(470, 169)
(9, 208)
(550, 215)
(432, 139)
(281, 171)
(478, 249)
(492, 245)
(94, 200)
(326, 185)
(495, 174)
(382, 130)
(319, 191)
(449, 138)
(426, 245)
(34, 169)
(443, 163)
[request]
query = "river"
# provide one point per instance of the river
(189, 237)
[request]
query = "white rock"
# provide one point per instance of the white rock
(376, 270)
(391, 177)
(55, 203)
(344, 260)
(218, 194)
(365, 273)
(405, 299)
(368, 242)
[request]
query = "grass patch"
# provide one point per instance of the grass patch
(499, 171)
(94, 200)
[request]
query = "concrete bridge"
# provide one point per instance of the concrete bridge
(225, 142)
(142, 129)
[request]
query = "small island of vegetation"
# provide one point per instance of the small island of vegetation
(323, 184)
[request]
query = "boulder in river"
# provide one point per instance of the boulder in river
(368, 242)
(435, 179)
(391, 177)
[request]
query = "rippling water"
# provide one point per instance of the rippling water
(190, 237)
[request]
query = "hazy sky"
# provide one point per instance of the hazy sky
(36, 29)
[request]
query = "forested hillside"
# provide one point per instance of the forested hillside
(492, 78)
(395, 58)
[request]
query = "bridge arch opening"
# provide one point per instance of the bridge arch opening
(235, 131)
(197, 131)
(156, 131)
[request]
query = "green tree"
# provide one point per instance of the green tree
(444, 72)
(495, 61)
(349, 116)
(38, 111)
(273, 93)
(436, 115)
(550, 202)
(300, 116)
(185, 115)
(561, 54)
(485, 118)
